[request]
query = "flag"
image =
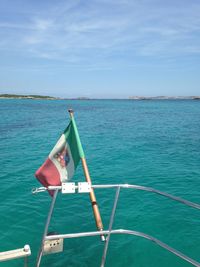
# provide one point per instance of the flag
(63, 160)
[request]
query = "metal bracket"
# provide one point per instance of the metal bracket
(84, 187)
(68, 188)
(53, 246)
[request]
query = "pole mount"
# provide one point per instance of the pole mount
(70, 111)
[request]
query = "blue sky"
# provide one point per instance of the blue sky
(100, 48)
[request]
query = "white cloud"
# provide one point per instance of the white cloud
(80, 32)
(43, 24)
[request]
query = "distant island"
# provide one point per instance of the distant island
(13, 96)
(164, 97)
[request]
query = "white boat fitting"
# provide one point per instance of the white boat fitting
(16, 253)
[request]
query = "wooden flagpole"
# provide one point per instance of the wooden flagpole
(95, 208)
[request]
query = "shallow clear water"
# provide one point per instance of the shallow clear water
(152, 143)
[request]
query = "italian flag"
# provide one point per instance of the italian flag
(62, 161)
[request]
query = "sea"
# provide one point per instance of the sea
(154, 143)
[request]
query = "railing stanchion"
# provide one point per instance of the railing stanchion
(46, 227)
(26, 261)
(110, 227)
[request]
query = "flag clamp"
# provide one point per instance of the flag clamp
(68, 188)
(84, 187)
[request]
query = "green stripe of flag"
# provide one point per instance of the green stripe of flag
(73, 139)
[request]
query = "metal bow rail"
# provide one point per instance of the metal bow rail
(85, 188)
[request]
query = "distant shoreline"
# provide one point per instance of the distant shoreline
(42, 97)
(13, 96)
(164, 97)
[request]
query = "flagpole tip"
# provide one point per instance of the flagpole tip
(71, 112)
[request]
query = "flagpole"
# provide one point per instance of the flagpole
(95, 207)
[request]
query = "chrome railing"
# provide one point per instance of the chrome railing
(72, 189)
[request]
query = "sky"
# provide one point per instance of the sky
(100, 48)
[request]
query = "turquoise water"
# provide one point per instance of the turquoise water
(152, 143)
